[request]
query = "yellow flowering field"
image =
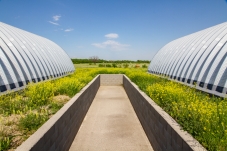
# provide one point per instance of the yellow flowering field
(203, 116)
(23, 112)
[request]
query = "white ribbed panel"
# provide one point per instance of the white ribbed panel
(22, 48)
(180, 49)
(194, 50)
(209, 46)
(179, 58)
(189, 48)
(36, 53)
(217, 53)
(9, 73)
(3, 78)
(26, 57)
(198, 52)
(7, 47)
(14, 51)
(199, 57)
(211, 51)
(222, 69)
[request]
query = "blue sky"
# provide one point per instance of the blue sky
(113, 29)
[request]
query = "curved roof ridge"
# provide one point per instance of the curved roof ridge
(26, 57)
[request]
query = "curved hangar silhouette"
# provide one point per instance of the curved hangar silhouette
(196, 59)
(26, 57)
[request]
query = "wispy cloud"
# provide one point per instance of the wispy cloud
(69, 29)
(56, 17)
(16, 16)
(111, 44)
(112, 36)
(53, 23)
(55, 20)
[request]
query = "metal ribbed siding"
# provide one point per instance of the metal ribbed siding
(26, 57)
(199, 57)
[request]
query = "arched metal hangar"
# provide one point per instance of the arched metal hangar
(199, 58)
(26, 57)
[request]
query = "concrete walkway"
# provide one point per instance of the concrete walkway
(111, 124)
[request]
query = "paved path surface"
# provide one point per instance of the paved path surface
(111, 124)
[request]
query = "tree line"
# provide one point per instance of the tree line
(97, 60)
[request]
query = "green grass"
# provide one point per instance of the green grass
(86, 65)
(118, 65)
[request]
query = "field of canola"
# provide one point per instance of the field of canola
(22, 113)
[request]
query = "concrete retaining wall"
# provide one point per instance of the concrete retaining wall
(111, 79)
(60, 130)
(163, 131)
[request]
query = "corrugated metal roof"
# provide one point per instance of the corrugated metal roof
(26, 57)
(199, 57)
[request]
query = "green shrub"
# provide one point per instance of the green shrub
(144, 66)
(32, 121)
(4, 143)
(125, 65)
(55, 107)
(39, 93)
(114, 65)
(101, 65)
(68, 86)
(11, 103)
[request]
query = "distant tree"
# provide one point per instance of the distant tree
(94, 59)
(143, 61)
(114, 65)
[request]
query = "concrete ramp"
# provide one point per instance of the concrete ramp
(111, 124)
(111, 114)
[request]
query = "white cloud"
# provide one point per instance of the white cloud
(56, 17)
(114, 45)
(111, 36)
(53, 23)
(69, 29)
(16, 16)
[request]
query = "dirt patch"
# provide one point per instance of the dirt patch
(9, 124)
(61, 99)
(8, 127)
